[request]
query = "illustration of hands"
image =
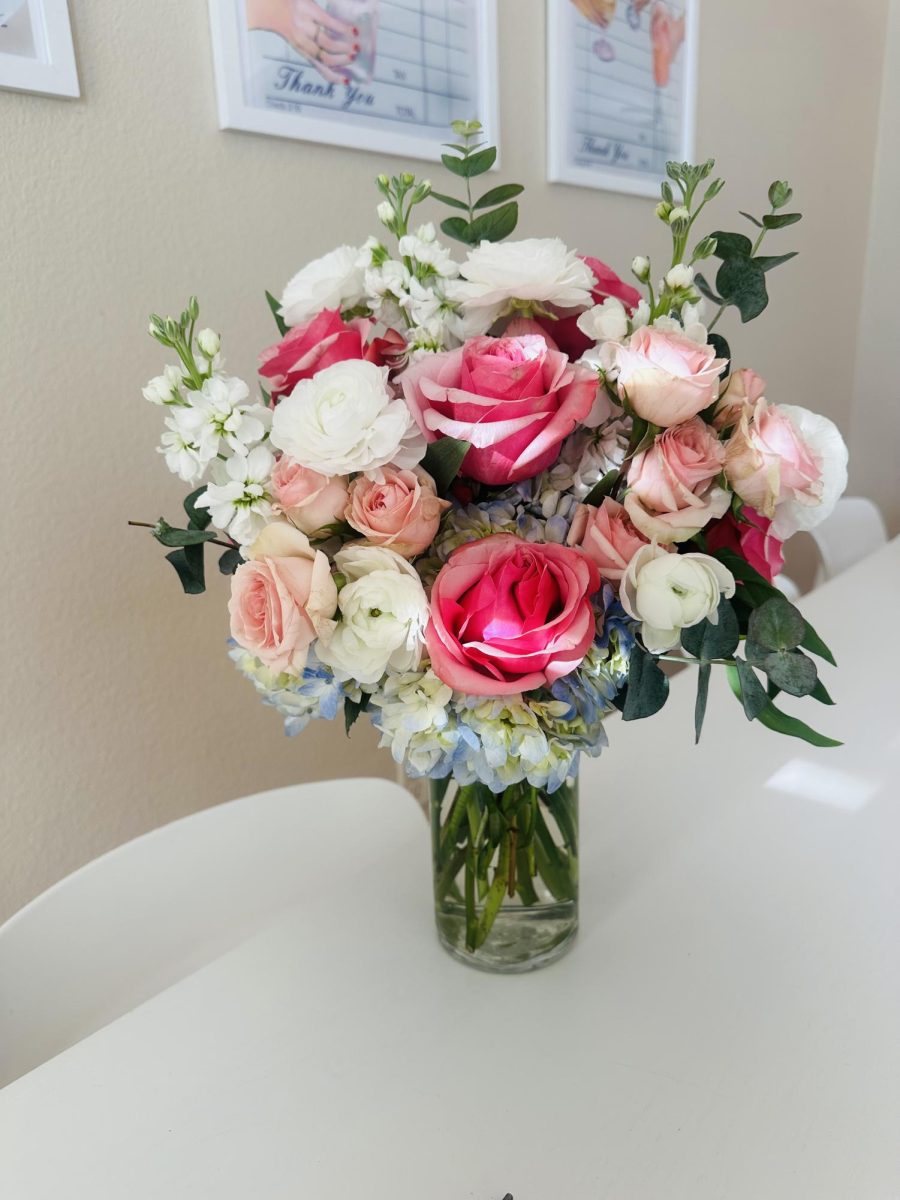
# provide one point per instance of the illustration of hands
(329, 43)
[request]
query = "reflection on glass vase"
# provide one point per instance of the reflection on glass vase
(505, 873)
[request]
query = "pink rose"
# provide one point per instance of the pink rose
(744, 388)
(514, 399)
(565, 331)
(509, 616)
(767, 461)
(403, 511)
(671, 494)
(753, 542)
(309, 500)
(666, 377)
(607, 537)
(282, 599)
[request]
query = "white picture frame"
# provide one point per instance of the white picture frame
(43, 57)
(245, 102)
(610, 124)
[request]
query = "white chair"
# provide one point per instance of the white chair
(148, 913)
(854, 530)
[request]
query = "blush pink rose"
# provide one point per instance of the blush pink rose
(310, 501)
(282, 599)
(402, 511)
(565, 331)
(671, 485)
(509, 616)
(513, 398)
(665, 377)
(743, 390)
(753, 542)
(607, 537)
(767, 461)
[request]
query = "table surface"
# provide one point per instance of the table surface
(727, 1026)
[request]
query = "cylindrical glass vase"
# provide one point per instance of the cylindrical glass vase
(505, 873)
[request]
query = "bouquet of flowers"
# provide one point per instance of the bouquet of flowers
(479, 498)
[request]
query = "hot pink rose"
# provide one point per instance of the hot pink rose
(768, 462)
(744, 388)
(666, 378)
(671, 494)
(752, 542)
(607, 537)
(514, 399)
(309, 500)
(403, 511)
(281, 599)
(565, 331)
(509, 616)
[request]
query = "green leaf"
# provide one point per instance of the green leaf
(779, 220)
(776, 625)
(457, 228)
(167, 535)
(188, 562)
(729, 245)
(474, 164)
(352, 709)
(769, 261)
(279, 320)
(230, 561)
(746, 686)
(702, 696)
(497, 195)
(707, 641)
(723, 350)
(819, 693)
(451, 200)
(814, 644)
(495, 226)
(743, 283)
(648, 687)
(791, 671)
(773, 718)
(755, 220)
(780, 193)
(443, 460)
(705, 290)
(198, 518)
(602, 489)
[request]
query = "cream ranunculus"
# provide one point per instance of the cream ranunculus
(383, 612)
(535, 271)
(670, 592)
(344, 420)
(336, 280)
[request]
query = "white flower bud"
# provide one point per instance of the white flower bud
(640, 267)
(385, 212)
(679, 214)
(209, 342)
(680, 276)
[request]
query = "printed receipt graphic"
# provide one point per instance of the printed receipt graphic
(415, 65)
(629, 83)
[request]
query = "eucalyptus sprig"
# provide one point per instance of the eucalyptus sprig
(471, 158)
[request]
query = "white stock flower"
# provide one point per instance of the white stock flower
(389, 280)
(824, 439)
(220, 419)
(680, 276)
(345, 420)
(640, 266)
(535, 270)
(423, 247)
(382, 616)
(385, 212)
(238, 500)
(183, 456)
(670, 592)
(692, 319)
(333, 281)
(165, 388)
(209, 342)
(606, 322)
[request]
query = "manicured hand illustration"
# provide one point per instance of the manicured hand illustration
(327, 42)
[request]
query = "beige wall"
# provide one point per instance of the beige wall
(120, 708)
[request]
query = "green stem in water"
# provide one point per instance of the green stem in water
(496, 893)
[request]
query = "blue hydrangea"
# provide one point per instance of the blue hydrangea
(298, 698)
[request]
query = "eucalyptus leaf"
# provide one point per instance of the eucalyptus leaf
(707, 641)
(703, 675)
(188, 562)
(198, 518)
(743, 283)
(729, 245)
(755, 220)
(497, 195)
(443, 459)
(457, 228)
(777, 625)
(230, 561)
(769, 261)
(704, 289)
(451, 200)
(791, 671)
(275, 305)
(167, 535)
(780, 193)
(495, 226)
(602, 489)
(779, 220)
(746, 686)
(352, 709)
(648, 687)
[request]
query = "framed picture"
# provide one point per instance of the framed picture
(385, 75)
(621, 91)
(36, 51)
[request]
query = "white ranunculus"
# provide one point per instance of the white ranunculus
(238, 499)
(536, 270)
(671, 592)
(345, 420)
(606, 322)
(382, 615)
(333, 281)
(824, 440)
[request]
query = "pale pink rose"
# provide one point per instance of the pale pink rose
(680, 464)
(665, 377)
(402, 511)
(744, 388)
(282, 599)
(607, 537)
(509, 616)
(309, 500)
(767, 462)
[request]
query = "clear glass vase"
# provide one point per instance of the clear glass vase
(505, 873)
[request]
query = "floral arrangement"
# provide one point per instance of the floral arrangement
(479, 498)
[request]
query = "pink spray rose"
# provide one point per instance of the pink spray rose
(607, 537)
(310, 501)
(666, 377)
(509, 616)
(282, 599)
(753, 542)
(403, 511)
(671, 492)
(744, 388)
(513, 398)
(767, 462)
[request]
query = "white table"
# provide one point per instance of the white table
(726, 1028)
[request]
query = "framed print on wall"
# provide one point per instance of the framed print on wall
(385, 75)
(621, 91)
(36, 51)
